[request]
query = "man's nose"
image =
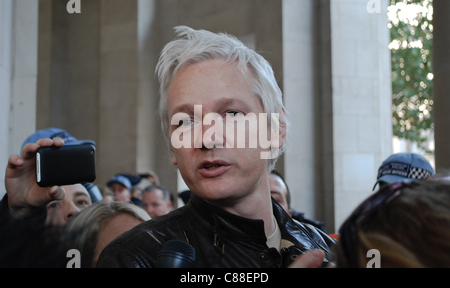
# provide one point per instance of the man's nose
(71, 211)
(212, 131)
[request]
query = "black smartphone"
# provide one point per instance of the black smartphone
(66, 165)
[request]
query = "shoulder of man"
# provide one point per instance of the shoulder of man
(318, 235)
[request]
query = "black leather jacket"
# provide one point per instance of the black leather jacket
(220, 239)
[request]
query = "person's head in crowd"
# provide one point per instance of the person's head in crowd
(99, 224)
(403, 167)
(236, 81)
(407, 223)
(121, 187)
(77, 198)
(280, 191)
(136, 195)
(150, 176)
(156, 201)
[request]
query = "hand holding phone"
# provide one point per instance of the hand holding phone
(24, 195)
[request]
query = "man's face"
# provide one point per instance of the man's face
(216, 174)
(278, 191)
(153, 202)
(61, 211)
(121, 193)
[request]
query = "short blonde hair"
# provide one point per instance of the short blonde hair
(84, 227)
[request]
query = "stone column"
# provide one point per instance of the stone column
(118, 89)
(441, 85)
(362, 127)
(6, 13)
(337, 88)
(300, 95)
(18, 74)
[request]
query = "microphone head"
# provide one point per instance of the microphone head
(176, 254)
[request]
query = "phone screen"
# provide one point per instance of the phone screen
(67, 165)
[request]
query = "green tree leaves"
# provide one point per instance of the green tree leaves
(410, 22)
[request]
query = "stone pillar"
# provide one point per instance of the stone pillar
(6, 13)
(441, 85)
(148, 124)
(18, 74)
(118, 89)
(337, 88)
(299, 97)
(362, 127)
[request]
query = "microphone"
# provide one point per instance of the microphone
(176, 254)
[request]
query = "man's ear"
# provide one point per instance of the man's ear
(281, 132)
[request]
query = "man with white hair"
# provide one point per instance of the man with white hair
(230, 220)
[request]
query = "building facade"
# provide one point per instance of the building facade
(92, 73)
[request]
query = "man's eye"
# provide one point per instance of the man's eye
(185, 122)
(234, 113)
(53, 205)
(82, 203)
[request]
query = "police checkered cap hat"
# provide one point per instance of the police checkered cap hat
(404, 167)
(51, 133)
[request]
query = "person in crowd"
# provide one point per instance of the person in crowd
(121, 187)
(31, 217)
(100, 223)
(403, 225)
(403, 167)
(24, 198)
(230, 219)
(156, 201)
(59, 212)
(151, 176)
(136, 191)
(280, 192)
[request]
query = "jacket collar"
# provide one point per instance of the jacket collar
(292, 232)
(225, 224)
(234, 227)
(296, 238)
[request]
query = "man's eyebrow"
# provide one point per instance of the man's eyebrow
(186, 108)
(232, 101)
(80, 193)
